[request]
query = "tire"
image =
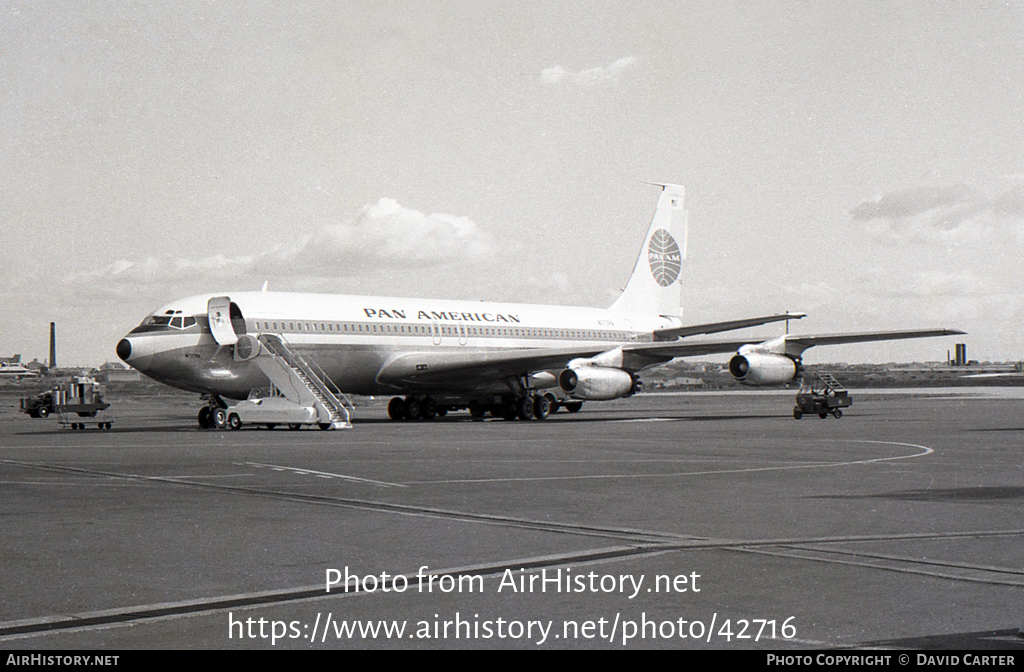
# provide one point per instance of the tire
(476, 410)
(234, 422)
(412, 409)
(294, 425)
(324, 425)
(396, 409)
(823, 415)
(574, 406)
(219, 417)
(541, 408)
(524, 408)
(42, 412)
(205, 419)
(508, 409)
(271, 425)
(553, 404)
(837, 414)
(428, 409)
(797, 414)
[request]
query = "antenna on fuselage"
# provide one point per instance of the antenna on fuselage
(264, 287)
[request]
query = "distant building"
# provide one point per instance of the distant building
(115, 372)
(11, 367)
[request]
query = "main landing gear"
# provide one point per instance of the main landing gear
(529, 407)
(213, 417)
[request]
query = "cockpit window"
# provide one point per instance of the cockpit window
(171, 318)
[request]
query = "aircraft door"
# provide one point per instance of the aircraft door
(463, 334)
(435, 332)
(219, 312)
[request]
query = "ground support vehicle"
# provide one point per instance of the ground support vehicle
(267, 410)
(80, 398)
(822, 395)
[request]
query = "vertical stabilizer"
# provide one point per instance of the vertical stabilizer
(654, 287)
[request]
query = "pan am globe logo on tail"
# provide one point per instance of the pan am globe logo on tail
(664, 257)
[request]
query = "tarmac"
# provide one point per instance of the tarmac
(689, 520)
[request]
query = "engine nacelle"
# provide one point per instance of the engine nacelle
(760, 368)
(597, 383)
(248, 347)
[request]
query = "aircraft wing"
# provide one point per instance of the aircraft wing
(715, 327)
(789, 344)
(467, 369)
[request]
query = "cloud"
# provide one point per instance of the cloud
(386, 238)
(953, 216)
(913, 201)
(388, 235)
(593, 77)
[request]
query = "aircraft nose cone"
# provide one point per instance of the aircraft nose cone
(124, 349)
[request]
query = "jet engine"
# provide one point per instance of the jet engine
(247, 347)
(597, 383)
(759, 368)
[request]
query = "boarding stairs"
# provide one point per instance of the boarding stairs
(304, 382)
(829, 381)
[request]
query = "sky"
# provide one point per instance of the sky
(862, 162)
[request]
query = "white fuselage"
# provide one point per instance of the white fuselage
(353, 337)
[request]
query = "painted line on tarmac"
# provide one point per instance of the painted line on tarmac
(326, 474)
(925, 450)
(129, 616)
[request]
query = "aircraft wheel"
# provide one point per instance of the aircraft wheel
(524, 407)
(294, 425)
(219, 417)
(553, 403)
(324, 425)
(205, 421)
(428, 409)
(442, 411)
(412, 408)
(234, 422)
(476, 410)
(396, 409)
(271, 425)
(797, 414)
(42, 412)
(541, 408)
(574, 406)
(508, 409)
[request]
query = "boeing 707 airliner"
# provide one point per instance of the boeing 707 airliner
(435, 356)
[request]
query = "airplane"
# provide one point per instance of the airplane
(511, 360)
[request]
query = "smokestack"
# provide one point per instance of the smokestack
(53, 345)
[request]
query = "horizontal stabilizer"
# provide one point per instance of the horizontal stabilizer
(716, 327)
